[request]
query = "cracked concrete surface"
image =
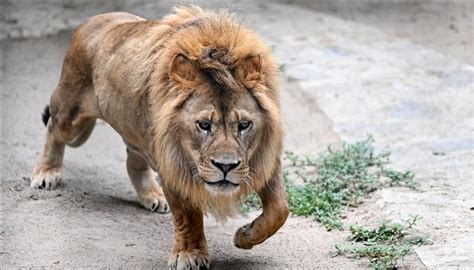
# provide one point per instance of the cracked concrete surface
(344, 76)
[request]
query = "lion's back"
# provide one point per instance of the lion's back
(93, 29)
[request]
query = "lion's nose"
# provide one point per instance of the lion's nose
(225, 163)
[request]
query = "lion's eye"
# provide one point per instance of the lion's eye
(204, 125)
(244, 125)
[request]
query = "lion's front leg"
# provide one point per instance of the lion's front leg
(189, 246)
(149, 192)
(275, 213)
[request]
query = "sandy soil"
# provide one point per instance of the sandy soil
(445, 26)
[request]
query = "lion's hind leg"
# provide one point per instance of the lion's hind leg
(149, 192)
(66, 125)
(84, 134)
(48, 172)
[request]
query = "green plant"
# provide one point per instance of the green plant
(337, 179)
(252, 201)
(383, 246)
(322, 187)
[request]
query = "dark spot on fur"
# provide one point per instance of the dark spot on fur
(73, 112)
(251, 224)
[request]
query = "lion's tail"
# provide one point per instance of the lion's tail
(46, 115)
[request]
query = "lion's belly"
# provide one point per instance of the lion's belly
(144, 154)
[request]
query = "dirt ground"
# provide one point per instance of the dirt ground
(344, 77)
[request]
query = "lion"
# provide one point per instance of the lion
(194, 97)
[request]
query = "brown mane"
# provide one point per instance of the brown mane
(228, 53)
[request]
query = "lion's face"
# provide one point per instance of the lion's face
(214, 111)
(221, 133)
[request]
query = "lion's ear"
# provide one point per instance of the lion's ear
(250, 69)
(183, 70)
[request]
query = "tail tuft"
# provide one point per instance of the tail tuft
(46, 115)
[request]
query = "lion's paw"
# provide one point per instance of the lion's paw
(189, 260)
(155, 201)
(46, 177)
(241, 238)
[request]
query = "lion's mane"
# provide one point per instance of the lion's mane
(194, 32)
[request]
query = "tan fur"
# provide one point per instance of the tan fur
(144, 78)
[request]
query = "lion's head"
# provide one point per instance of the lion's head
(216, 115)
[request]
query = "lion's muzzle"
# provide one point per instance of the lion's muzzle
(225, 163)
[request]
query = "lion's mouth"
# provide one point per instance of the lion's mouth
(222, 183)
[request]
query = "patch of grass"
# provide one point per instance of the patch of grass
(322, 187)
(252, 201)
(385, 245)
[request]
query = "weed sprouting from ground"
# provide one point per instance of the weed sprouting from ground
(323, 186)
(383, 246)
(252, 201)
